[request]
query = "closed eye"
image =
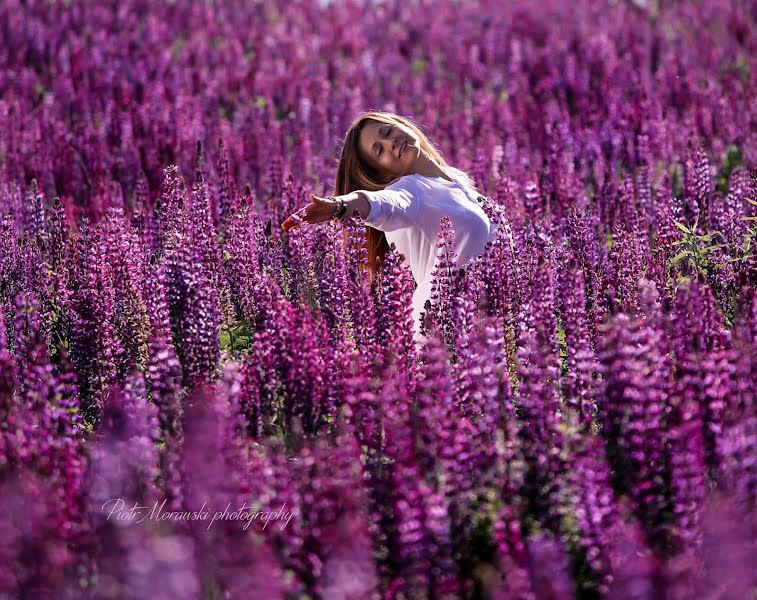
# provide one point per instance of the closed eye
(385, 135)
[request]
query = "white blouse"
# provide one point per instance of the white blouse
(409, 212)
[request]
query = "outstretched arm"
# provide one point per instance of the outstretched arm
(387, 210)
(321, 209)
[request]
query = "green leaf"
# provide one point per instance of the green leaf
(710, 248)
(678, 258)
(418, 65)
(682, 227)
(712, 234)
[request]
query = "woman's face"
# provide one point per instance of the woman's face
(390, 149)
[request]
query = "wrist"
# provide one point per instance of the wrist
(346, 204)
(341, 208)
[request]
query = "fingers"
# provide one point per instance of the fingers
(292, 222)
(301, 216)
(295, 219)
(289, 224)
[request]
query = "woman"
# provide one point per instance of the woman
(391, 174)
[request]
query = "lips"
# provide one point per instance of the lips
(402, 148)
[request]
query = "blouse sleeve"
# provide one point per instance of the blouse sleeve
(394, 207)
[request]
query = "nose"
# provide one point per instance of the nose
(393, 144)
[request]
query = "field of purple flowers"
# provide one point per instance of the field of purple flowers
(581, 422)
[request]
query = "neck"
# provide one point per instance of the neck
(427, 166)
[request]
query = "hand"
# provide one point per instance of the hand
(318, 211)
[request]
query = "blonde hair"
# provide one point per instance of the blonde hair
(353, 173)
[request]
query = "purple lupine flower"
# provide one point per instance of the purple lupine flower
(631, 403)
(45, 438)
(443, 289)
(302, 366)
(125, 462)
(690, 346)
(591, 255)
(200, 323)
(37, 559)
(445, 581)
(274, 488)
(194, 310)
(394, 319)
(41, 465)
(688, 486)
(697, 187)
(360, 301)
(635, 567)
(717, 374)
(363, 409)
(250, 396)
(238, 548)
(507, 195)
(300, 257)
(170, 206)
(596, 514)
(512, 558)
(410, 550)
(127, 278)
(549, 568)
(643, 186)
(539, 412)
(626, 268)
(580, 385)
(446, 443)
(205, 472)
(331, 273)
(96, 350)
(534, 200)
(739, 188)
(164, 377)
(739, 434)
(727, 549)
(337, 545)
(241, 263)
(58, 231)
(144, 217)
(481, 375)
(264, 360)
(122, 475)
(228, 195)
(35, 206)
(274, 176)
(480, 171)
(204, 236)
(498, 274)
